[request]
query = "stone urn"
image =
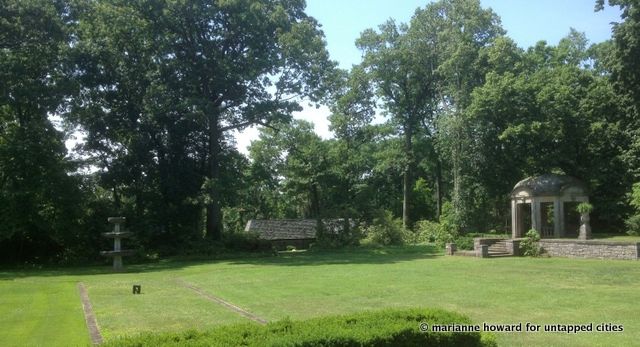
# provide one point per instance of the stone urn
(585, 227)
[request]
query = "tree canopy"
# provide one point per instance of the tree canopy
(443, 111)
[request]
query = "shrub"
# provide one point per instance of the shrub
(464, 242)
(387, 231)
(633, 222)
(529, 245)
(438, 233)
(450, 219)
(334, 233)
(633, 225)
(377, 328)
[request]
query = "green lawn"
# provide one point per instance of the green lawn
(43, 307)
(616, 237)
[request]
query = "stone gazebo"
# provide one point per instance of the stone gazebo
(546, 196)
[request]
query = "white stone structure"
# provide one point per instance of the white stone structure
(549, 188)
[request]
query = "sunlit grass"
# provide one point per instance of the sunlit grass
(312, 284)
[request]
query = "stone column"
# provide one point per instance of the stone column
(561, 218)
(514, 219)
(536, 218)
(557, 227)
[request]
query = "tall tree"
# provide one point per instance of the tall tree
(624, 65)
(215, 66)
(426, 69)
(403, 77)
(550, 114)
(37, 195)
(457, 31)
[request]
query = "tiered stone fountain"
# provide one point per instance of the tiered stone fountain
(117, 236)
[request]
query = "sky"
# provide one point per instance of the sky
(526, 22)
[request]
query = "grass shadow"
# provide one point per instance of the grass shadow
(166, 264)
(356, 255)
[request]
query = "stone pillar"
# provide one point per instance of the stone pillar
(482, 251)
(513, 247)
(514, 219)
(536, 217)
(477, 242)
(561, 218)
(557, 228)
(520, 213)
(450, 249)
(585, 227)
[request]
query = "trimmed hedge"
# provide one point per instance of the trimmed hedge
(376, 328)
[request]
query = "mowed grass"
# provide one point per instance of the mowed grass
(616, 237)
(312, 284)
(41, 312)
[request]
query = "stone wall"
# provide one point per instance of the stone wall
(283, 229)
(591, 249)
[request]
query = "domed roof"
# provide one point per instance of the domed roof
(548, 184)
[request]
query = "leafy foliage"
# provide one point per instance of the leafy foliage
(165, 81)
(159, 87)
(386, 230)
(529, 245)
(633, 222)
(40, 201)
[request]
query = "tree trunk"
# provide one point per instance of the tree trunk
(406, 199)
(408, 176)
(315, 201)
(214, 213)
(438, 189)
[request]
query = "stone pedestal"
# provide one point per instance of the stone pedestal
(117, 237)
(585, 227)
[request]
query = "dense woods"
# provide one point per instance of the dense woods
(441, 118)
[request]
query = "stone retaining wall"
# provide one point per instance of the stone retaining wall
(591, 249)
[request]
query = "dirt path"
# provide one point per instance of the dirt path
(222, 302)
(89, 317)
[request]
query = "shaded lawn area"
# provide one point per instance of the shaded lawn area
(311, 284)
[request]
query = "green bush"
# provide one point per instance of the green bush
(529, 245)
(387, 231)
(464, 242)
(437, 233)
(633, 222)
(379, 328)
(633, 225)
(336, 233)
